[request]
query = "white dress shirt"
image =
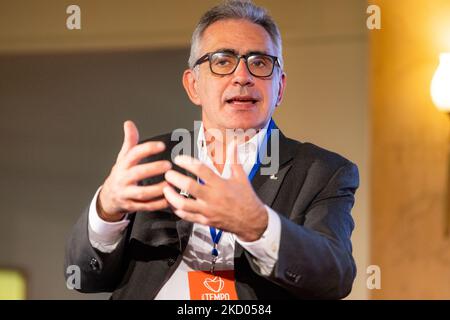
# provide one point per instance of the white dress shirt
(105, 236)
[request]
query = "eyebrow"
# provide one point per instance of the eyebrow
(233, 51)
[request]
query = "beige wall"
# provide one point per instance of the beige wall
(61, 121)
(325, 46)
(325, 49)
(410, 144)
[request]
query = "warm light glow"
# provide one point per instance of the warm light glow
(440, 85)
(12, 285)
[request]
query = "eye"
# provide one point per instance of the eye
(260, 62)
(222, 60)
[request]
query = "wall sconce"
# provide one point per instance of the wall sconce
(440, 93)
(440, 85)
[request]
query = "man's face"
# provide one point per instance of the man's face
(239, 100)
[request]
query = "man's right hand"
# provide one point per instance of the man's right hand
(120, 194)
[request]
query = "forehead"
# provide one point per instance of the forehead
(240, 35)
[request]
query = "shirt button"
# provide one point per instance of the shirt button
(170, 262)
(274, 247)
(293, 276)
(94, 264)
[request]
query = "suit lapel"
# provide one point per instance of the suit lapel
(267, 186)
(184, 228)
(270, 185)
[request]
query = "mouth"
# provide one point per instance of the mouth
(242, 101)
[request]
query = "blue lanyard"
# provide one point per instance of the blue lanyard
(215, 236)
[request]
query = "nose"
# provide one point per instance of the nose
(241, 75)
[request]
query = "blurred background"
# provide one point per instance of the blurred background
(363, 93)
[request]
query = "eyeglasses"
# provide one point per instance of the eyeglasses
(225, 63)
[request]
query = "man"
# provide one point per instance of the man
(215, 227)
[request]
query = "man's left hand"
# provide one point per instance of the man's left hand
(227, 204)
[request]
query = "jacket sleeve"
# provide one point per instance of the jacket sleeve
(98, 272)
(315, 256)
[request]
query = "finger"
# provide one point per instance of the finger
(155, 205)
(191, 217)
(131, 138)
(181, 203)
(185, 183)
(139, 152)
(237, 170)
(196, 167)
(147, 170)
(232, 151)
(145, 193)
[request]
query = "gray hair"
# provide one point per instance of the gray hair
(235, 9)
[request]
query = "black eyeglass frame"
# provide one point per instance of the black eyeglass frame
(207, 57)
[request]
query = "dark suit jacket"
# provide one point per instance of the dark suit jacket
(313, 195)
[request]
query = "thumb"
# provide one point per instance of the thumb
(130, 139)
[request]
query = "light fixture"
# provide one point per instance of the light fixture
(440, 93)
(440, 85)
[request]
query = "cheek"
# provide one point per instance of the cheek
(211, 93)
(271, 93)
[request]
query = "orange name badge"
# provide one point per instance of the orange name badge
(206, 286)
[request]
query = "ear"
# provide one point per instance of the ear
(281, 88)
(190, 85)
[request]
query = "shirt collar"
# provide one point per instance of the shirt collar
(247, 151)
